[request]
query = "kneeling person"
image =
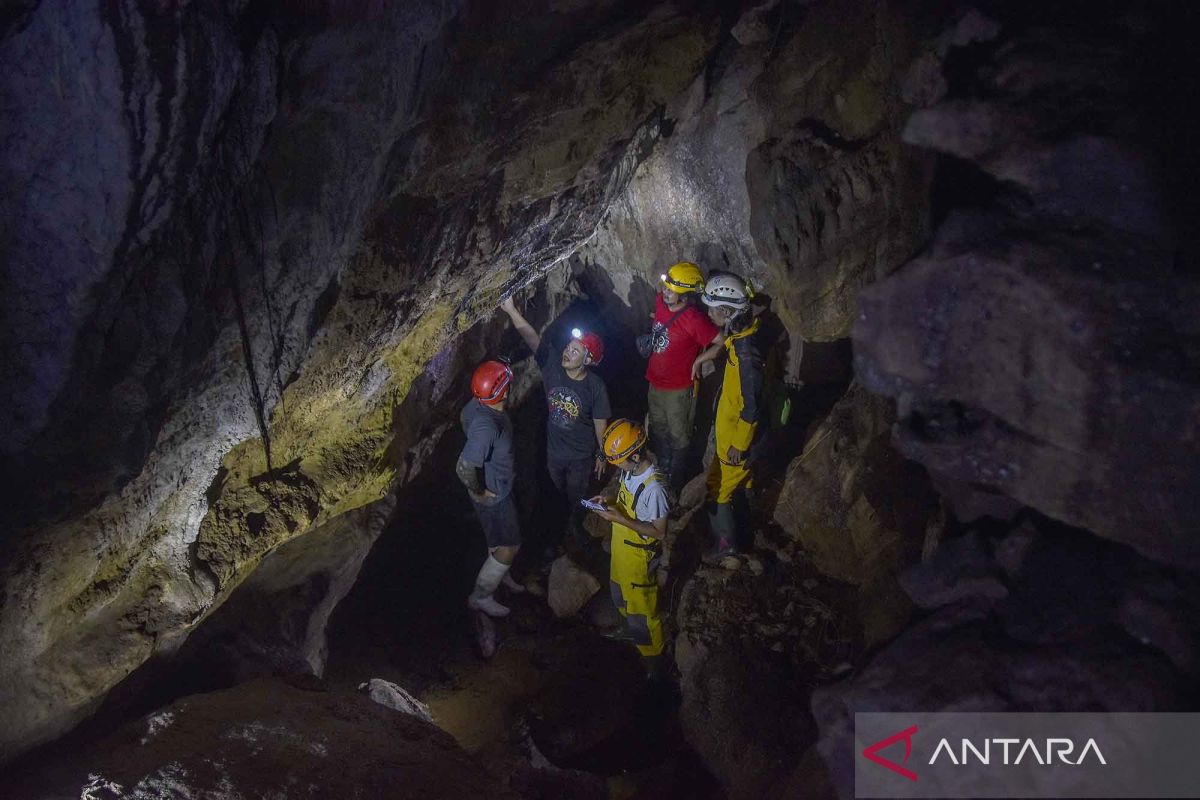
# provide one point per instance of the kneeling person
(489, 447)
(639, 523)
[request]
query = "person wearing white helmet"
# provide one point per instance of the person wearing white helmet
(739, 406)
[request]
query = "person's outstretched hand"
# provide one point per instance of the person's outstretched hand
(507, 305)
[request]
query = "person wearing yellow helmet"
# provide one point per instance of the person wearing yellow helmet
(638, 513)
(680, 333)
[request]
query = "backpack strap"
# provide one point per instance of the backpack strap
(674, 317)
(653, 478)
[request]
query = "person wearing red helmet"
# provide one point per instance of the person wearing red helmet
(489, 449)
(577, 401)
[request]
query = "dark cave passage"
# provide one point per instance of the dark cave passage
(253, 253)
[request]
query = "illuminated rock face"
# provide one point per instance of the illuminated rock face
(237, 267)
(251, 253)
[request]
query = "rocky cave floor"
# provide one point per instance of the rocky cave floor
(558, 711)
(238, 329)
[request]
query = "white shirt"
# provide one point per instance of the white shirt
(652, 504)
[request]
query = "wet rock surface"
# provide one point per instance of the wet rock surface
(1043, 348)
(1027, 619)
(251, 256)
(266, 738)
(811, 198)
(287, 259)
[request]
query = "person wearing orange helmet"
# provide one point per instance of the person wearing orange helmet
(489, 449)
(578, 406)
(638, 513)
(680, 333)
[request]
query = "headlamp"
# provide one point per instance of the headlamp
(576, 333)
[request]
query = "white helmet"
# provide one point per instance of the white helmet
(727, 289)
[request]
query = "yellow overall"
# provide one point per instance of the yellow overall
(632, 579)
(730, 429)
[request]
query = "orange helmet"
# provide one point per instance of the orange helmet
(622, 439)
(490, 382)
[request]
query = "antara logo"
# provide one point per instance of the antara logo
(1060, 749)
(872, 752)
(1047, 752)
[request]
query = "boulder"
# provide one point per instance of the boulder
(1042, 349)
(396, 698)
(570, 587)
(951, 662)
(266, 738)
(854, 505)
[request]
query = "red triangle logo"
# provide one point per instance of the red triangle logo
(872, 752)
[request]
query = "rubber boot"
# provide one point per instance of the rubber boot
(655, 666)
(679, 476)
(664, 462)
(724, 534)
(486, 582)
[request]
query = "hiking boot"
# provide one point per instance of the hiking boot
(488, 605)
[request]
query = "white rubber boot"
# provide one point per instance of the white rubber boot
(489, 577)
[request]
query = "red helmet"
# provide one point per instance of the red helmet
(490, 382)
(591, 342)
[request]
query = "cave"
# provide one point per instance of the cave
(255, 250)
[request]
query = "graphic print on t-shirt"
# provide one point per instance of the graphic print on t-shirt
(660, 335)
(564, 407)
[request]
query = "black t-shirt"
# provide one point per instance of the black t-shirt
(572, 406)
(489, 445)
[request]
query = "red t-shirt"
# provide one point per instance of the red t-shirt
(676, 347)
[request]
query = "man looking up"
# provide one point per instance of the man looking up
(577, 401)
(489, 447)
(680, 332)
(739, 407)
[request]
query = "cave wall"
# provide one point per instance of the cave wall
(784, 162)
(279, 218)
(1044, 347)
(243, 243)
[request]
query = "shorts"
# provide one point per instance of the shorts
(499, 522)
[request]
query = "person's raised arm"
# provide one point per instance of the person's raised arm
(528, 334)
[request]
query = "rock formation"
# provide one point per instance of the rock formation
(252, 249)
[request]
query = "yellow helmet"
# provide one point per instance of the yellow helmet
(622, 439)
(684, 277)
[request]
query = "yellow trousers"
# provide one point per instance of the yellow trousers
(634, 588)
(725, 479)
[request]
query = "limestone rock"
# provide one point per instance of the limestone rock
(268, 739)
(854, 505)
(962, 568)
(948, 663)
(396, 698)
(270, 240)
(570, 587)
(812, 199)
(748, 650)
(1040, 350)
